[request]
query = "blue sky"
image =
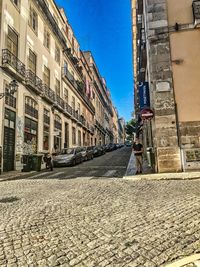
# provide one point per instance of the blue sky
(104, 27)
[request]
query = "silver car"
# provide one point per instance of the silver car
(68, 157)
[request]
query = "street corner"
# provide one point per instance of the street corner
(190, 261)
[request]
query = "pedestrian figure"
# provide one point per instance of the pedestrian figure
(138, 150)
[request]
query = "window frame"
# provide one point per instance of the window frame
(47, 38)
(31, 11)
(46, 76)
(12, 41)
(31, 62)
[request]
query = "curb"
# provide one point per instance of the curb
(183, 262)
(129, 175)
(165, 176)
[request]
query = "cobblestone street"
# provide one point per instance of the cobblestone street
(98, 222)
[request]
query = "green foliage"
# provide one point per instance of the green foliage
(130, 129)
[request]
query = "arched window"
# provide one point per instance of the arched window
(31, 107)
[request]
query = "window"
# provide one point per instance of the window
(79, 108)
(57, 87)
(15, 2)
(57, 122)
(31, 107)
(46, 38)
(32, 59)
(72, 45)
(67, 30)
(57, 54)
(73, 102)
(46, 132)
(57, 129)
(79, 138)
(46, 116)
(10, 100)
(73, 136)
(66, 95)
(12, 41)
(30, 136)
(46, 76)
(65, 68)
(33, 20)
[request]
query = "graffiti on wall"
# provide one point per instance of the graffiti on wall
(30, 147)
(19, 135)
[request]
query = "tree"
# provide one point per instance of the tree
(130, 129)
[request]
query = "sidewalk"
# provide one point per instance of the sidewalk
(12, 175)
(148, 175)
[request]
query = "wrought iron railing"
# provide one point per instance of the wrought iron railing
(68, 108)
(48, 92)
(10, 59)
(34, 80)
(79, 86)
(60, 102)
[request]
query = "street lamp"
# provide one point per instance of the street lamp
(11, 89)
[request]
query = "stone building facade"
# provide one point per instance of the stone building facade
(55, 105)
(166, 56)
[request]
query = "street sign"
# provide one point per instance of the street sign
(144, 95)
(146, 114)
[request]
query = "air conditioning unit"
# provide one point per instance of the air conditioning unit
(196, 13)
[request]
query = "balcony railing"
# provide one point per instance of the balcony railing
(48, 92)
(79, 86)
(34, 81)
(10, 59)
(68, 108)
(60, 102)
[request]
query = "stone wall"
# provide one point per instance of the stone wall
(161, 87)
(190, 134)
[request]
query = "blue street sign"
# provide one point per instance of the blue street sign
(144, 95)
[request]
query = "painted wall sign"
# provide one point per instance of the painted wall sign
(144, 95)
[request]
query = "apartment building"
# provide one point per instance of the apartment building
(54, 106)
(166, 60)
(103, 104)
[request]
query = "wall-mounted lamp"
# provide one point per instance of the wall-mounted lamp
(11, 89)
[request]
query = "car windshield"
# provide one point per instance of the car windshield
(67, 151)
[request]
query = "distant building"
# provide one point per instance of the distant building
(166, 59)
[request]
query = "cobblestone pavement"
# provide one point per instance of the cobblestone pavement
(98, 222)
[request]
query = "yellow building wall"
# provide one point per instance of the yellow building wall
(185, 46)
(179, 11)
(185, 49)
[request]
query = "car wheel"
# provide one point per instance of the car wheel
(74, 162)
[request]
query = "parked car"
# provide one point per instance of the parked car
(68, 157)
(84, 153)
(90, 153)
(98, 151)
(103, 149)
(109, 147)
(128, 143)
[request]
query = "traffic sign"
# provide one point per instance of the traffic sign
(146, 114)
